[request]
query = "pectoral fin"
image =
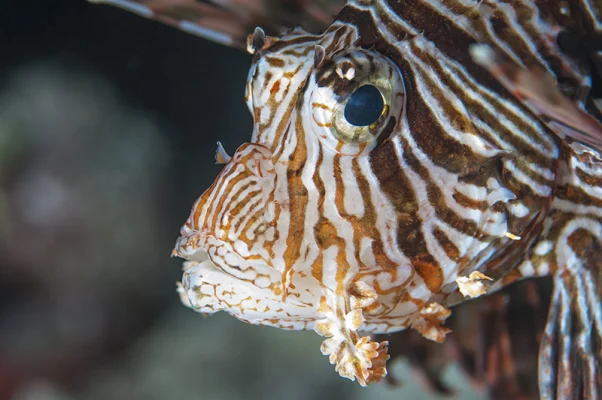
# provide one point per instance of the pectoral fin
(537, 90)
(570, 359)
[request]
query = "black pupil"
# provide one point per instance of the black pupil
(365, 106)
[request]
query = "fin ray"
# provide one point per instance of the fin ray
(570, 362)
(229, 22)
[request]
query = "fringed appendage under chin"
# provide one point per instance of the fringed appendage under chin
(354, 356)
(570, 360)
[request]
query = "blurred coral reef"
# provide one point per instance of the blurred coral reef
(80, 198)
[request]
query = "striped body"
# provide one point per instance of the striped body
(307, 227)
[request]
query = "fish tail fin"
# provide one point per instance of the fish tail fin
(570, 360)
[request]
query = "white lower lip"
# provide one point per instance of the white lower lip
(208, 289)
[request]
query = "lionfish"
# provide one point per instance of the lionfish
(415, 154)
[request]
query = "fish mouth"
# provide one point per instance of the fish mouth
(216, 277)
(199, 248)
(202, 278)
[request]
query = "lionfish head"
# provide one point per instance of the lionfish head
(281, 235)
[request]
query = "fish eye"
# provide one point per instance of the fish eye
(365, 106)
(356, 101)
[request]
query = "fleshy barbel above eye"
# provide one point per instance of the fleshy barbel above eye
(356, 101)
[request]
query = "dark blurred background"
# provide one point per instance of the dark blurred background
(108, 126)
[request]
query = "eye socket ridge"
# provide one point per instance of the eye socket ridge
(355, 101)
